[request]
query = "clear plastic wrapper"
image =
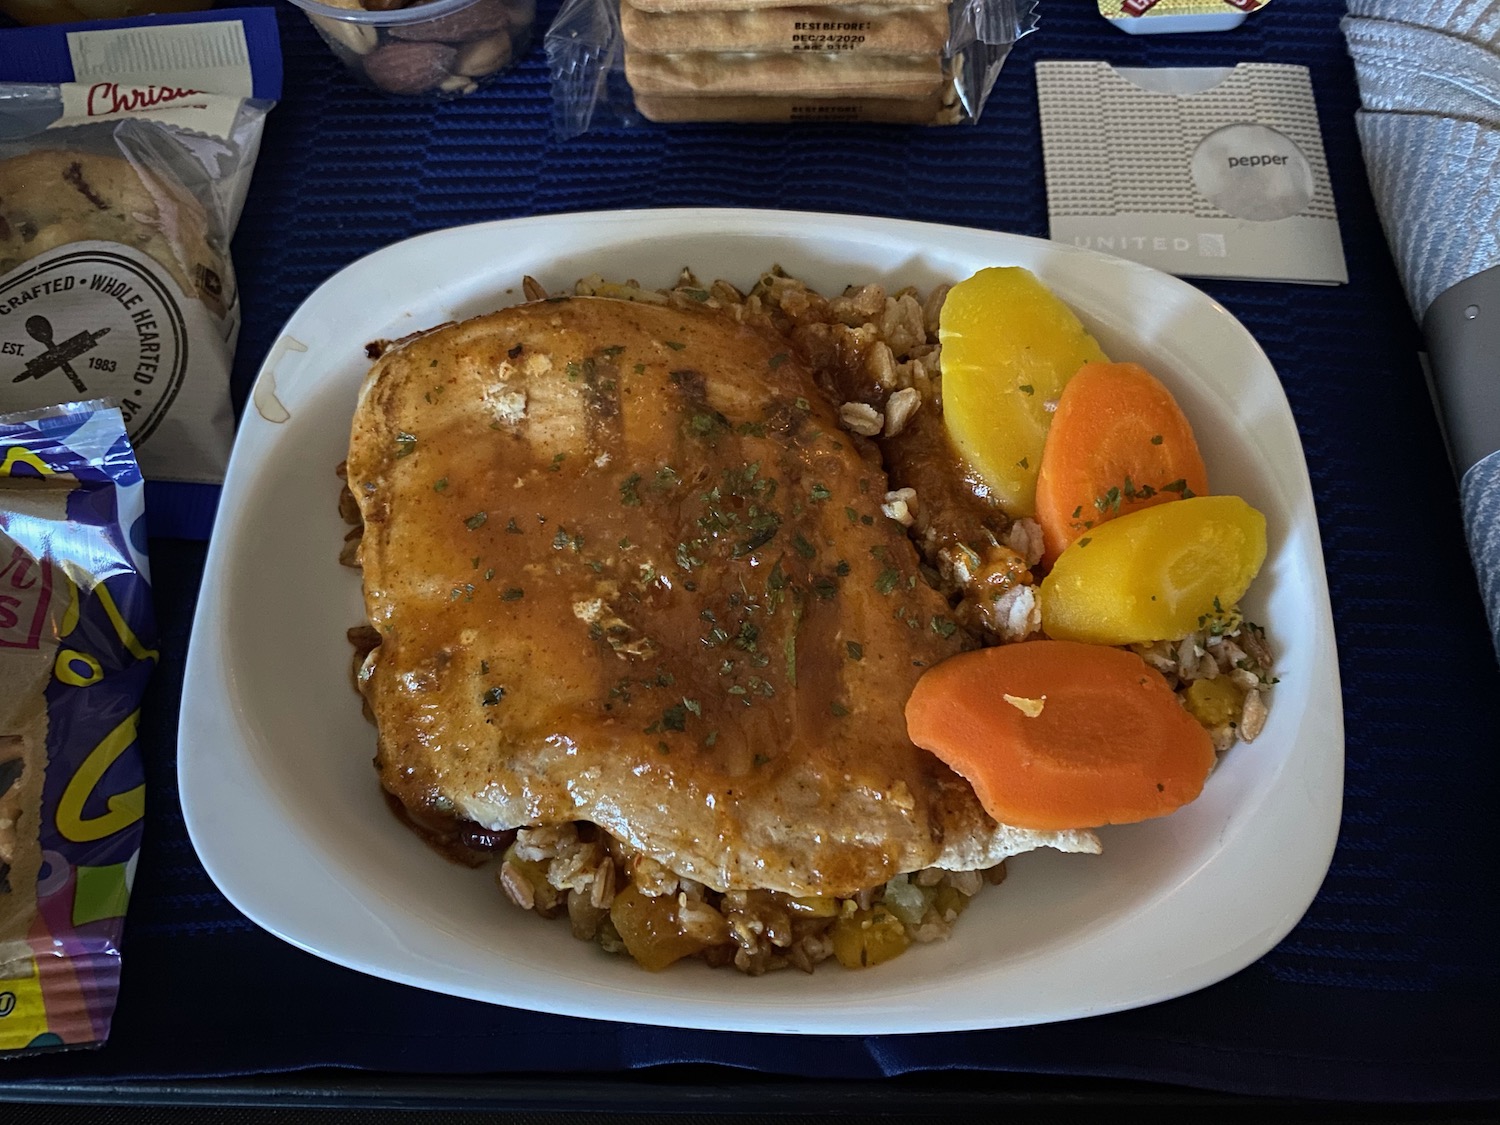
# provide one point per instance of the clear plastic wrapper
(77, 646)
(616, 61)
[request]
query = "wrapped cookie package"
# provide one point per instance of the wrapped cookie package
(122, 178)
(77, 639)
(927, 62)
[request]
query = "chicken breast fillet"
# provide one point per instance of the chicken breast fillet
(627, 569)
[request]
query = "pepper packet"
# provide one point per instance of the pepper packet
(77, 646)
(1198, 171)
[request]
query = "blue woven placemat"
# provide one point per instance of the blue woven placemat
(1388, 987)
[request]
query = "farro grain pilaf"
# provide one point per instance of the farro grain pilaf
(876, 355)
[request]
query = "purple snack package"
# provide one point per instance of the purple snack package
(76, 649)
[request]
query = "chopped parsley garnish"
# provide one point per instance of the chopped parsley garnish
(777, 360)
(803, 547)
(675, 345)
(493, 696)
(820, 492)
(887, 580)
(405, 444)
(440, 485)
(855, 649)
(514, 593)
(476, 521)
(628, 495)
(705, 424)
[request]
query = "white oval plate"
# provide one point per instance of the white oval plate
(283, 805)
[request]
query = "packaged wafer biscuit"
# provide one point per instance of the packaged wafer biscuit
(884, 29)
(77, 637)
(884, 61)
(772, 74)
(764, 5)
(939, 109)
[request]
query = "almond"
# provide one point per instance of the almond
(409, 68)
(354, 37)
(483, 56)
(480, 18)
(522, 13)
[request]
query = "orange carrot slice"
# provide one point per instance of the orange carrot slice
(1118, 442)
(1056, 734)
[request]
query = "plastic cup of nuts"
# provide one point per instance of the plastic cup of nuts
(443, 48)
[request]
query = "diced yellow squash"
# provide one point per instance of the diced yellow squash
(1214, 702)
(863, 938)
(648, 927)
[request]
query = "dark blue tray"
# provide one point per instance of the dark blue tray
(1387, 990)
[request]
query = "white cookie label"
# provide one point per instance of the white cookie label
(191, 75)
(184, 107)
(100, 320)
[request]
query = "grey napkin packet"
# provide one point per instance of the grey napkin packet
(1201, 172)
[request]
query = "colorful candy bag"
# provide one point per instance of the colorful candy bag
(76, 649)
